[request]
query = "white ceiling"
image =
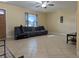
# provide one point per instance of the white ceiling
(58, 5)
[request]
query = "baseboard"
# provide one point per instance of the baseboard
(9, 37)
(77, 52)
(49, 33)
(56, 33)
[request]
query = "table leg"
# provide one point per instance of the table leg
(4, 49)
(67, 39)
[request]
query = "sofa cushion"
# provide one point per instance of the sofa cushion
(21, 28)
(30, 33)
(41, 32)
(17, 30)
(39, 28)
(30, 28)
(25, 29)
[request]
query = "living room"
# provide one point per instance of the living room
(57, 20)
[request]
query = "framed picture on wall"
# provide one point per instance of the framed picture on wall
(61, 19)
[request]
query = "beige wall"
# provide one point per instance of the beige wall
(42, 19)
(68, 25)
(78, 28)
(15, 16)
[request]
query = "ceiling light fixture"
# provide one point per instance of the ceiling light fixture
(44, 4)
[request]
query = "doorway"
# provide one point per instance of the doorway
(2, 24)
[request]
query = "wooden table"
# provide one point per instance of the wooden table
(73, 35)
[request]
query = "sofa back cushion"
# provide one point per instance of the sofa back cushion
(39, 28)
(21, 28)
(30, 28)
(27, 29)
(17, 30)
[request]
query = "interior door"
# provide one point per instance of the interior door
(2, 24)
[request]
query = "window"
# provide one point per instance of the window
(31, 20)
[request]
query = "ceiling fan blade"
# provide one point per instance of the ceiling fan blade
(37, 6)
(44, 4)
(50, 4)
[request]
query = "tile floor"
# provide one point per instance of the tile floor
(47, 46)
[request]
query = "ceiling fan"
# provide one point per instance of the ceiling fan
(44, 4)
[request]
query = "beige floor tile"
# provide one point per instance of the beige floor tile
(41, 53)
(52, 46)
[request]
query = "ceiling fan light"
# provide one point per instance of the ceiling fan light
(44, 5)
